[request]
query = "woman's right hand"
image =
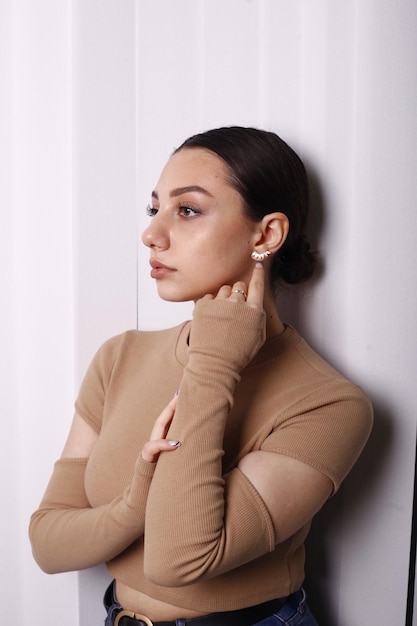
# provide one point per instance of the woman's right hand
(229, 327)
(157, 441)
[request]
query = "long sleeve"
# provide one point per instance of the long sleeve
(200, 524)
(67, 534)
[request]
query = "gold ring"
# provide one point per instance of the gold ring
(242, 291)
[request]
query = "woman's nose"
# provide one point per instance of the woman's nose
(156, 234)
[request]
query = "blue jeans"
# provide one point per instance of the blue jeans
(294, 612)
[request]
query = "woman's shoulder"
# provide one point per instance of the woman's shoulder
(299, 374)
(322, 418)
(134, 339)
(119, 357)
(127, 347)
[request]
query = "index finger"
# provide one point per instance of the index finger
(163, 421)
(256, 287)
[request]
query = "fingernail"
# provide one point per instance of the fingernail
(259, 264)
(174, 444)
(177, 392)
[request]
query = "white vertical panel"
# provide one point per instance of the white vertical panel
(230, 63)
(104, 189)
(36, 104)
(9, 537)
(280, 59)
(382, 302)
(104, 171)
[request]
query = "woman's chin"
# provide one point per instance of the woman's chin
(170, 296)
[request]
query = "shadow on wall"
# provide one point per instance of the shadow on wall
(343, 511)
(347, 507)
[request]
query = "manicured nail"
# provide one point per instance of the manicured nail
(174, 444)
(259, 264)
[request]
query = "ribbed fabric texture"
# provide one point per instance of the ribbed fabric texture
(208, 541)
(67, 534)
(205, 538)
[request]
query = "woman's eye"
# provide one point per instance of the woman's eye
(187, 211)
(151, 211)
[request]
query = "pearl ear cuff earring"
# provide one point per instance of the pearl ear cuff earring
(260, 256)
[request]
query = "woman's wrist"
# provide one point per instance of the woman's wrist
(230, 332)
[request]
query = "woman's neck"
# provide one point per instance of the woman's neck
(274, 325)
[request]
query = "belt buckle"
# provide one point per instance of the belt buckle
(124, 613)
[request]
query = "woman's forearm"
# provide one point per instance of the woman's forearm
(67, 534)
(199, 523)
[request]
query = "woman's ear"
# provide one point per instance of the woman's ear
(273, 232)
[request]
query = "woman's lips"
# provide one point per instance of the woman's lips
(159, 270)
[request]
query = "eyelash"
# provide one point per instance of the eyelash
(152, 211)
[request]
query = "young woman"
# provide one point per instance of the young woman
(198, 455)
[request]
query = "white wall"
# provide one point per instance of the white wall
(97, 93)
(37, 289)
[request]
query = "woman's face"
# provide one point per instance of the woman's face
(199, 237)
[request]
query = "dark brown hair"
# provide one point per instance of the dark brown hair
(270, 177)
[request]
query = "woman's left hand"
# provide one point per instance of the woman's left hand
(157, 441)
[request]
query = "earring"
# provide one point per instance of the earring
(260, 256)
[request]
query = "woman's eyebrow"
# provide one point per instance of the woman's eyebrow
(180, 190)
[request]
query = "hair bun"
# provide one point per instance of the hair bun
(297, 261)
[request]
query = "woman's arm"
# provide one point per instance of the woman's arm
(208, 524)
(65, 532)
(200, 524)
(293, 491)
(81, 439)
